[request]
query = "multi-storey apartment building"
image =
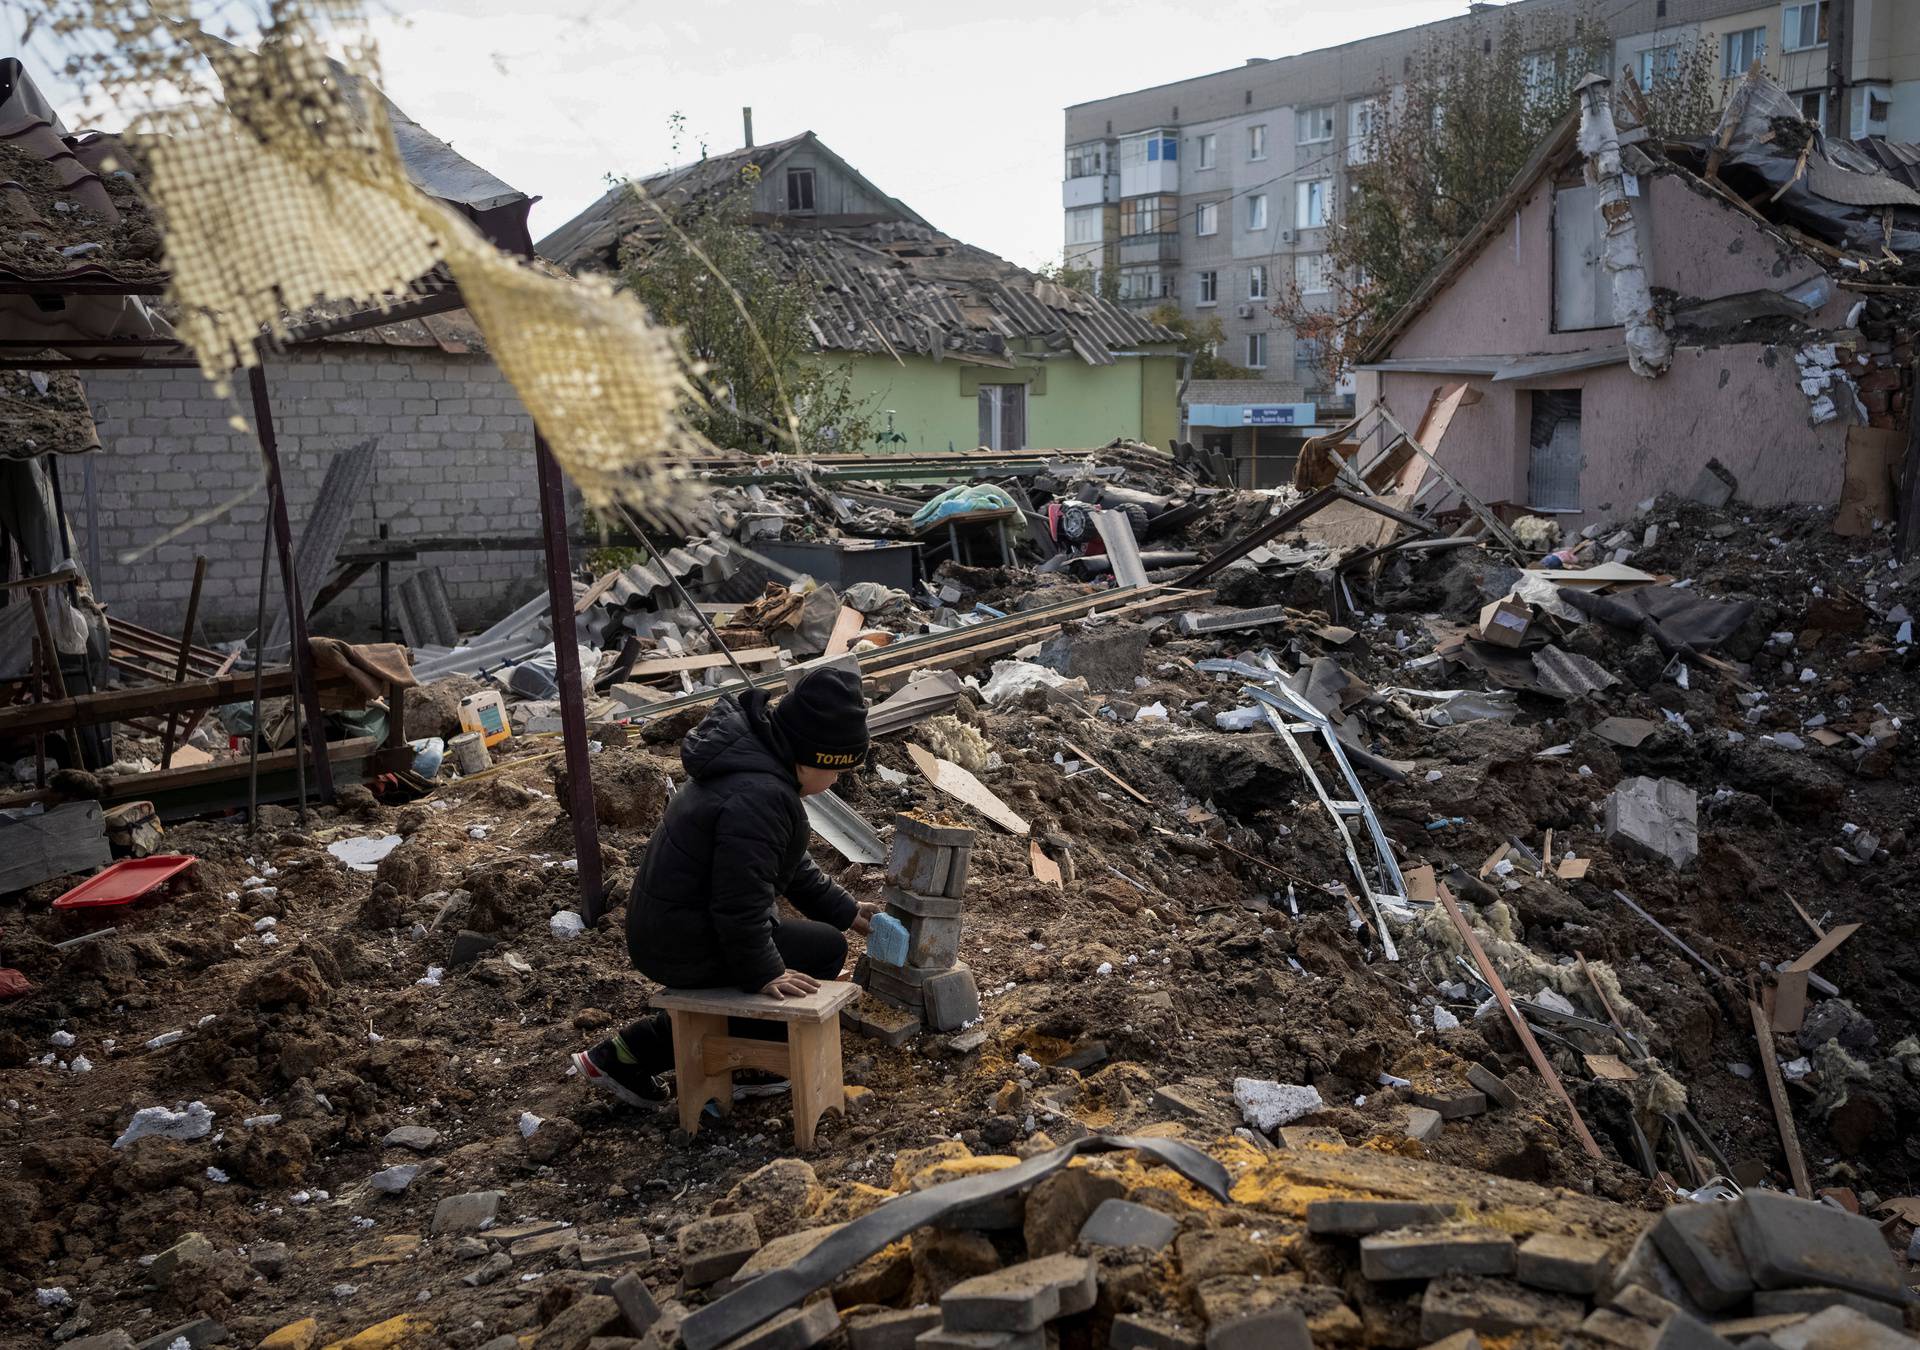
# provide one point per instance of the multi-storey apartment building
(1211, 192)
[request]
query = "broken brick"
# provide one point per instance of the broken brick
(1358, 1218)
(1699, 1244)
(1020, 1298)
(1788, 1243)
(1567, 1265)
(1427, 1253)
(713, 1248)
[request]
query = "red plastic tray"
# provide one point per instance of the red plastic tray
(125, 881)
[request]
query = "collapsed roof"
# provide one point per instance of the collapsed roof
(886, 284)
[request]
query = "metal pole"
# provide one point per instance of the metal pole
(259, 667)
(1839, 16)
(300, 658)
(386, 593)
(566, 669)
(186, 652)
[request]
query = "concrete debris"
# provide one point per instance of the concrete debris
(1656, 817)
(1267, 1105)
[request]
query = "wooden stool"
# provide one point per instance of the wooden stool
(705, 1056)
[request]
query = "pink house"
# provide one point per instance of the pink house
(1770, 370)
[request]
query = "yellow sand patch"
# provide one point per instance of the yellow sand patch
(293, 1336)
(395, 1331)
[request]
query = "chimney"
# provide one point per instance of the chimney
(746, 122)
(1649, 349)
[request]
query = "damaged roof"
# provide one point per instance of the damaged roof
(897, 288)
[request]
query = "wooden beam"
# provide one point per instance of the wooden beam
(112, 705)
(1520, 1027)
(673, 665)
(1782, 1110)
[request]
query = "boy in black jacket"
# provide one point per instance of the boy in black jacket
(733, 840)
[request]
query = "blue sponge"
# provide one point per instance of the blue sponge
(888, 940)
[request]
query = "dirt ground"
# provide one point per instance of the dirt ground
(319, 1008)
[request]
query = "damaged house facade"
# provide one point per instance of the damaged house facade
(953, 347)
(1774, 328)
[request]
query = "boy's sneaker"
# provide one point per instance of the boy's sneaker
(601, 1068)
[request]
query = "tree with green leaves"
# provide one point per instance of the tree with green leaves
(1201, 339)
(1439, 155)
(742, 317)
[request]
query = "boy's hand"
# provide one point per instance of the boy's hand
(790, 984)
(863, 921)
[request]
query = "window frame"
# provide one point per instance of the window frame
(1320, 276)
(1256, 351)
(1323, 115)
(1256, 212)
(1209, 291)
(1755, 50)
(1819, 118)
(1206, 219)
(1647, 60)
(1791, 43)
(1206, 150)
(1259, 284)
(1257, 141)
(802, 178)
(1304, 195)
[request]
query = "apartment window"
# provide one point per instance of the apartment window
(1310, 273)
(1740, 50)
(1083, 225)
(1257, 142)
(1659, 65)
(1257, 211)
(1539, 73)
(799, 189)
(1003, 416)
(1206, 218)
(1149, 215)
(1867, 112)
(1209, 288)
(1162, 147)
(1257, 282)
(1364, 117)
(1256, 351)
(1310, 203)
(1313, 125)
(1813, 105)
(1308, 357)
(1208, 145)
(1086, 160)
(1803, 26)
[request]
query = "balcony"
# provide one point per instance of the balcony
(1094, 189)
(1163, 246)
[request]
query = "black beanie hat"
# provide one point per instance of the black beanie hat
(824, 719)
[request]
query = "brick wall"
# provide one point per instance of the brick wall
(455, 458)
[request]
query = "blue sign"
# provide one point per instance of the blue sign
(1268, 415)
(1251, 414)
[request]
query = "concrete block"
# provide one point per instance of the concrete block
(627, 1249)
(1655, 817)
(636, 1302)
(419, 1138)
(1305, 1136)
(1423, 1123)
(1493, 1086)
(1494, 1307)
(1636, 1300)
(1361, 1218)
(1176, 1100)
(952, 999)
(1617, 1329)
(1427, 1253)
(1121, 1223)
(932, 944)
(563, 1242)
(1266, 1105)
(892, 1329)
(941, 1338)
(916, 865)
(1840, 1327)
(943, 834)
(794, 1329)
(1789, 1243)
(1269, 1329)
(1020, 1298)
(1453, 1103)
(467, 1213)
(1683, 1331)
(905, 902)
(1714, 485)
(713, 1248)
(1566, 1265)
(1460, 1340)
(1151, 1331)
(1699, 1244)
(1813, 1298)
(958, 869)
(887, 941)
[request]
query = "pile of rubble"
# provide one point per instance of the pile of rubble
(1429, 946)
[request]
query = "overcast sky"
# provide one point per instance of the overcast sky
(958, 112)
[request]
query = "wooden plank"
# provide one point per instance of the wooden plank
(1045, 869)
(1611, 1067)
(1789, 1009)
(146, 786)
(595, 591)
(65, 840)
(822, 1003)
(150, 700)
(1782, 1110)
(1801, 910)
(1824, 948)
(1520, 1027)
(673, 665)
(957, 783)
(1108, 774)
(845, 628)
(724, 1054)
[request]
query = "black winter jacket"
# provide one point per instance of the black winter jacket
(734, 838)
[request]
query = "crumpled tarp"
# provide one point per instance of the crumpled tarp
(957, 501)
(1679, 619)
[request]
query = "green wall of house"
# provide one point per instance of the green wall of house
(1070, 404)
